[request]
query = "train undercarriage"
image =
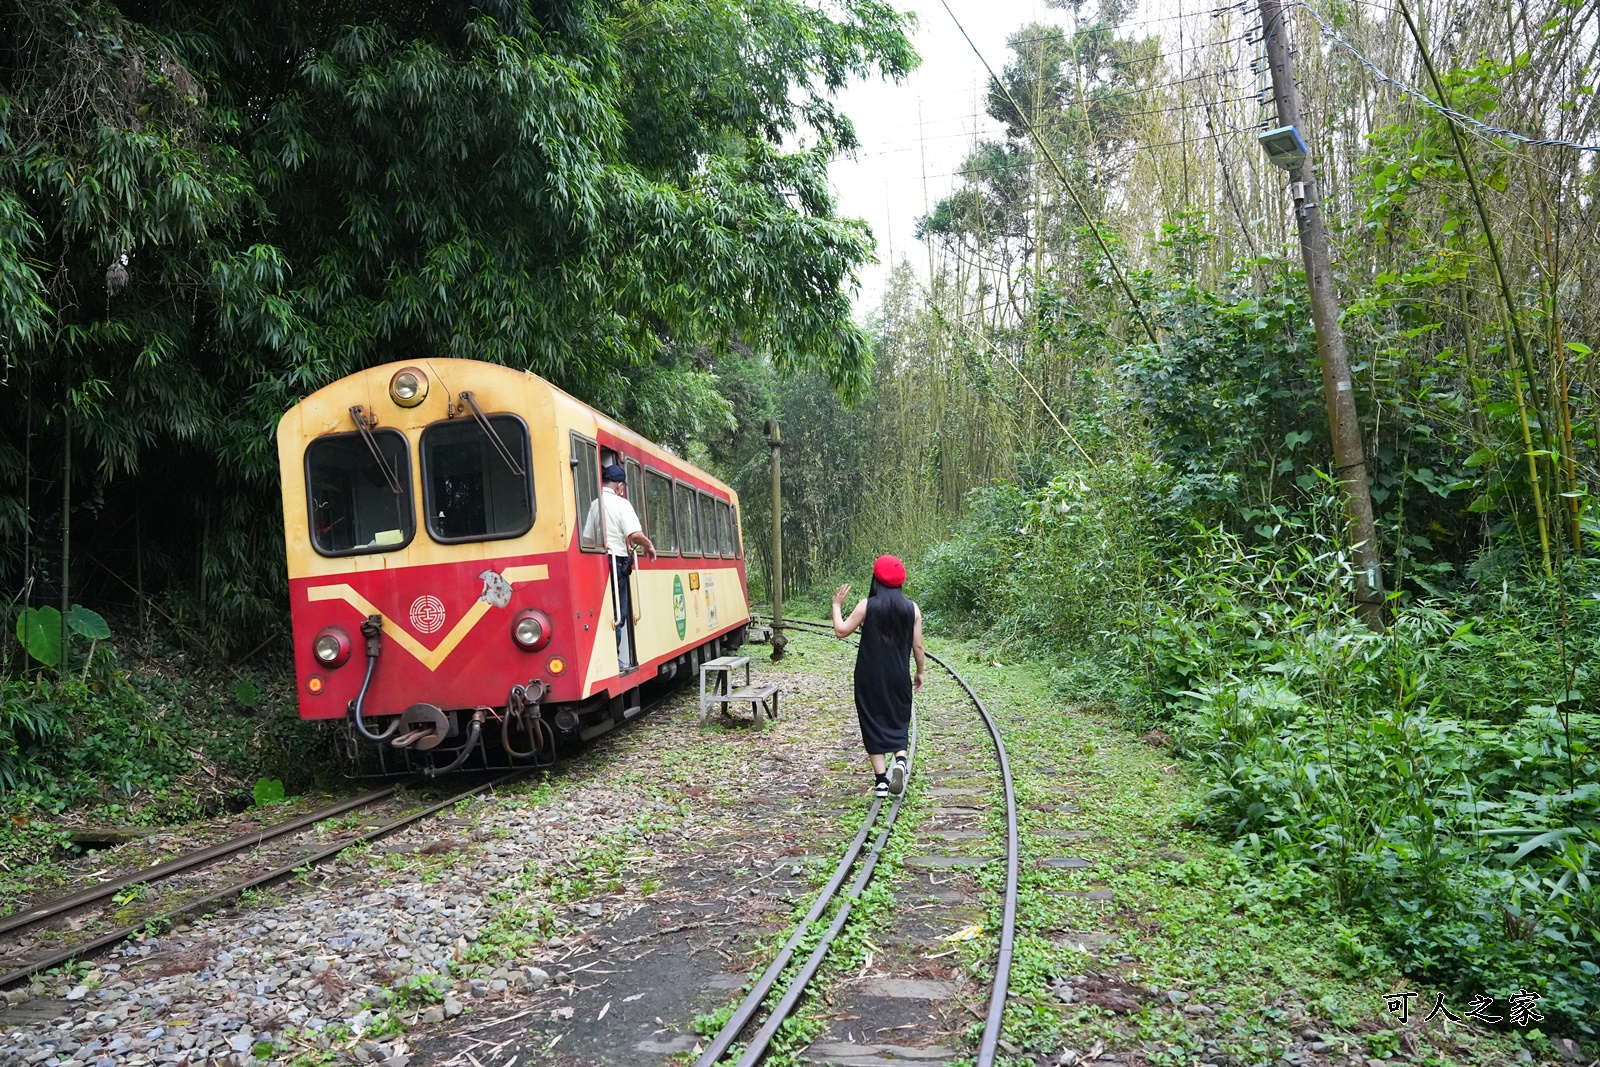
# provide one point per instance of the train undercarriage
(526, 731)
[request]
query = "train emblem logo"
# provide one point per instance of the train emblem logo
(427, 614)
(680, 605)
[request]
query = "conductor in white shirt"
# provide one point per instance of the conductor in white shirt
(622, 532)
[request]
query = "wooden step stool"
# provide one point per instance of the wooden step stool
(763, 697)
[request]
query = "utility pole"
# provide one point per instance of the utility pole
(1286, 148)
(775, 578)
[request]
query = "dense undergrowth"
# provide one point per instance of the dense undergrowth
(143, 736)
(1437, 781)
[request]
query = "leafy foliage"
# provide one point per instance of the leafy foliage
(208, 213)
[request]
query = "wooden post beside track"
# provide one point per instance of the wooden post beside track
(775, 577)
(1338, 392)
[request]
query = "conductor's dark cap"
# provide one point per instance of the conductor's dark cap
(614, 473)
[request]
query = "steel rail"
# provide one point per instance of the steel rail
(197, 858)
(791, 996)
(34, 967)
(758, 993)
(1008, 911)
(988, 1048)
(762, 988)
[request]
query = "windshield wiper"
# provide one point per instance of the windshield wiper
(488, 428)
(364, 425)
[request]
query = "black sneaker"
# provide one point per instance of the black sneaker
(880, 785)
(898, 773)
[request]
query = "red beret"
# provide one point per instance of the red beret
(889, 571)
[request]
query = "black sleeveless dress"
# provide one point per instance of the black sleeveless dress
(883, 687)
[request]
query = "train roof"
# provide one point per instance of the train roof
(443, 370)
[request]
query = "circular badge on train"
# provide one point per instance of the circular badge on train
(680, 606)
(427, 614)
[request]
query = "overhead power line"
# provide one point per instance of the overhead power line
(901, 147)
(1215, 13)
(1427, 101)
(1088, 220)
(1077, 101)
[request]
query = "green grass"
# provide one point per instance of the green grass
(1187, 916)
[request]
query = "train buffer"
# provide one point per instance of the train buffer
(717, 687)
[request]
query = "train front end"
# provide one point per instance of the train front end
(426, 574)
(451, 607)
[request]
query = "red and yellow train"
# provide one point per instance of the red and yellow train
(450, 602)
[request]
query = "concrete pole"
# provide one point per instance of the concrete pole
(775, 578)
(1338, 392)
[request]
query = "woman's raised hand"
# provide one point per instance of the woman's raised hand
(840, 593)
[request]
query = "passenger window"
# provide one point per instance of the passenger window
(725, 524)
(636, 493)
(658, 510)
(586, 486)
(688, 522)
(470, 491)
(353, 506)
(738, 534)
(708, 526)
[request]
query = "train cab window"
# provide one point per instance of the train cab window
(354, 508)
(469, 489)
(586, 482)
(658, 512)
(735, 532)
(688, 521)
(725, 527)
(709, 540)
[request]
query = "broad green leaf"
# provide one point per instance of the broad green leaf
(39, 630)
(268, 791)
(246, 693)
(89, 624)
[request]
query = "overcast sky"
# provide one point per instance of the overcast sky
(926, 124)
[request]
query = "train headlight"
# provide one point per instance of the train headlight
(531, 630)
(408, 387)
(331, 647)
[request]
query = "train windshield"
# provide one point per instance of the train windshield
(470, 491)
(354, 507)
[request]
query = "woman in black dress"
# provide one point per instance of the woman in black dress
(891, 634)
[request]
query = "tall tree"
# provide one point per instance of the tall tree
(207, 211)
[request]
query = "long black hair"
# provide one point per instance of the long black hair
(889, 612)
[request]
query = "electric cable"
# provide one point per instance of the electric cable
(1461, 118)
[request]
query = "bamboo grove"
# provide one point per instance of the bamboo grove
(1098, 423)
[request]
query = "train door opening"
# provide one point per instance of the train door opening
(598, 533)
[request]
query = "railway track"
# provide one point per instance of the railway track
(756, 1048)
(188, 883)
(35, 954)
